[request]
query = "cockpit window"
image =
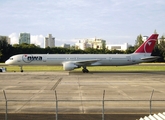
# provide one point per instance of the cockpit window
(11, 58)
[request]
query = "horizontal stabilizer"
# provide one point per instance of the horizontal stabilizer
(150, 58)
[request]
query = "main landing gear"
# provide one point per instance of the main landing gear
(21, 69)
(85, 70)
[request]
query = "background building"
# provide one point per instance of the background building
(117, 46)
(49, 41)
(90, 43)
(145, 38)
(65, 45)
(24, 38)
(161, 39)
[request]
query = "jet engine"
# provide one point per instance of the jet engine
(67, 66)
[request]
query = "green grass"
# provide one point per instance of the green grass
(96, 68)
(129, 68)
(34, 68)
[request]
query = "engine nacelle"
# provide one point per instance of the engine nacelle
(67, 66)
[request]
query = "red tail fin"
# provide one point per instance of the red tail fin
(148, 45)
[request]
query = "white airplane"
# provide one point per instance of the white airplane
(73, 61)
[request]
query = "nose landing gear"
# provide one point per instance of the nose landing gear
(21, 69)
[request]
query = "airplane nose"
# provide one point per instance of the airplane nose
(7, 62)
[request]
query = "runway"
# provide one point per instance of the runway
(78, 93)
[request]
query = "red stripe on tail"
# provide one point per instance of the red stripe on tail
(148, 45)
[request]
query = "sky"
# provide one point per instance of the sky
(116, 21)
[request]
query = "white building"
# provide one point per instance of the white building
(161, 39)
(90, 43)
(24, 38)
(49, 41)
(65, 45)
(145, 38)
(117, 46)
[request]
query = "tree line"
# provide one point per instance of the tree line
(7, 50)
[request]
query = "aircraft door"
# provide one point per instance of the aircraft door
(44, 58)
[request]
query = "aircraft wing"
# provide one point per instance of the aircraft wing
(86, 62)
(150, 58)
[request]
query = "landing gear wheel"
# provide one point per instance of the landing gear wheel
(85, 70)
(21, 69)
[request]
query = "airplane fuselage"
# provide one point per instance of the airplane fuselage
(59, 59)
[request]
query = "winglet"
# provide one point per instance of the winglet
(148, 45)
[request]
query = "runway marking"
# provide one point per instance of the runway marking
(56, 84)
(81, 96)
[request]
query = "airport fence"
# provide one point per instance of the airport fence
(102, 107)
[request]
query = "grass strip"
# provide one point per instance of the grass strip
(93, 68)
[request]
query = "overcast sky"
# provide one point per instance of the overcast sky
(116, 21)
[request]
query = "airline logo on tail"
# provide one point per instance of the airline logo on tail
(148, 45)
